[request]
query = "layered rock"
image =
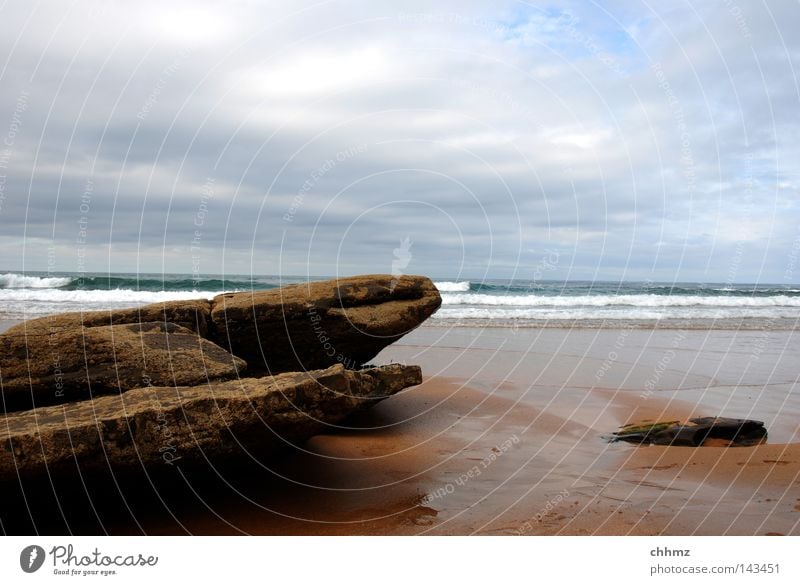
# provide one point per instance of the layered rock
(79, 362)
(194, 315)
(294, 328)
(164, 383)
(185, 426)
(318, 324)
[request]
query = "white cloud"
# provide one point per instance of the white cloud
(320, 73)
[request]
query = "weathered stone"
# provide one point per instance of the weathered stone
(695, 433)
(77, 363)
(194, 315)
(155, 427)
(317, 324)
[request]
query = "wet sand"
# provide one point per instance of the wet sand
(506, 436)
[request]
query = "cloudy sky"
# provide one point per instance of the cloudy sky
(496, 139)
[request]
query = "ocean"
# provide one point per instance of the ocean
(495, 303)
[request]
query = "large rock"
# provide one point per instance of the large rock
(318, 324)
(158, 427)
(76, 362)
(152, 386)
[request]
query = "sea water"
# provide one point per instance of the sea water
(496, 303)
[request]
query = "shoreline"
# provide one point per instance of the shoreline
(446, 459)
(506, 436)
(727, 324)
(668, 324)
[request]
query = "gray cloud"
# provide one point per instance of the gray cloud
(638, 141)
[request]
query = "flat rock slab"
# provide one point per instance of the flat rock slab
(697, 432)
(318, 324)
(153, 427)
(78, 363)
(194, 315)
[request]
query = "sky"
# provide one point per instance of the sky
(626, 140)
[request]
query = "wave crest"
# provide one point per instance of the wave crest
(13, 280)
(618, 300)
(452, 286)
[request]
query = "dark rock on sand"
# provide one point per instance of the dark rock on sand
(697, 432)
(159, 427)
(74, 362)
(318, 324)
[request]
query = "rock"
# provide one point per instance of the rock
(695, 433)
(193, 315)
(318, 324)
(159, 427)
(153, 385)
(76, 363)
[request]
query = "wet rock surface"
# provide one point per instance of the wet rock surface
(190, 426)
(78, 363)
(318, 324)
(698, 432)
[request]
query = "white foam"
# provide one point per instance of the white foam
(546, 313)
(30, 303)
(90, 298)
(12, 280)
(619, 300)
(452, 286)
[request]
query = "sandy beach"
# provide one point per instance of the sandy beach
(505, 436)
